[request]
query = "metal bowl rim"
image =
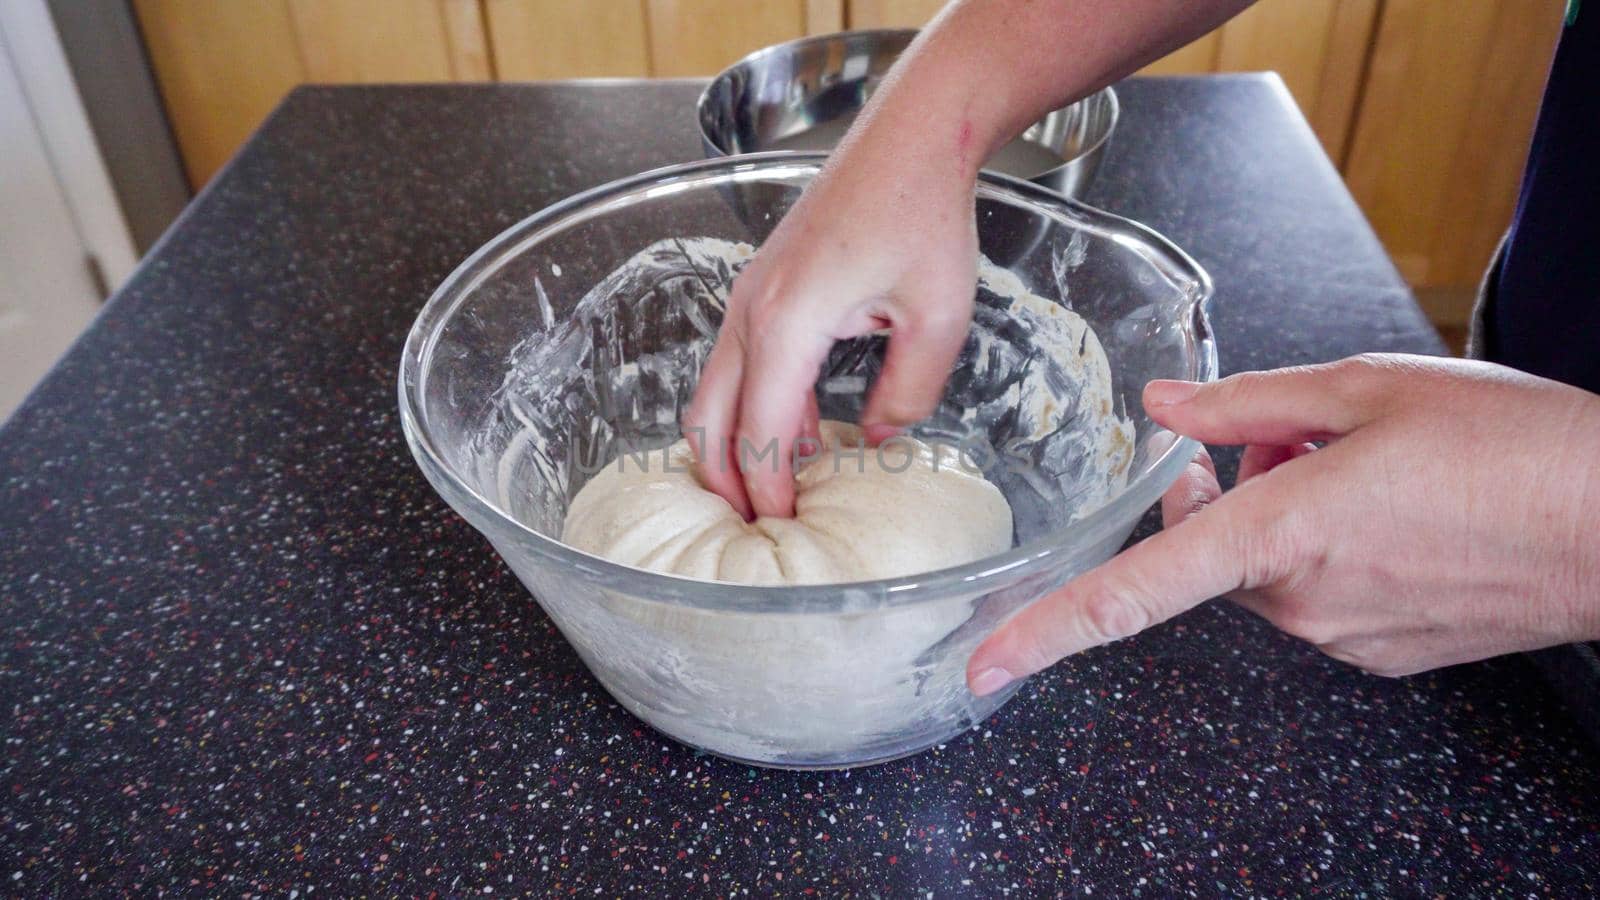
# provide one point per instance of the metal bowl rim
(710, 141)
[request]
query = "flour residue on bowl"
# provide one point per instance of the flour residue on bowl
(615, 374)
(1032, 384)
(1064, 404)
(578, 393)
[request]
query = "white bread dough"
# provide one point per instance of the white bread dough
(901, 509)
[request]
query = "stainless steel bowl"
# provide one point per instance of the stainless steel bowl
(802, 95)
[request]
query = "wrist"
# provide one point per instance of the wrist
(1579, 511)
(1587, 550)
(942, 110)
(924, 136)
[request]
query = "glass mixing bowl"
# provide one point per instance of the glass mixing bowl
(580, 331)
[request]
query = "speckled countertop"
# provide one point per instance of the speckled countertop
(244, 649)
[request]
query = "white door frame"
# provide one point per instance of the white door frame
(41, 66)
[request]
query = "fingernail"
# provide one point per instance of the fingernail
(877, 434)
(990, 680)
(1166, 392)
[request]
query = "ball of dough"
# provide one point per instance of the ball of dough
(861, 513)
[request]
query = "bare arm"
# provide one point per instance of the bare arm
(986, 69)
(885, 236)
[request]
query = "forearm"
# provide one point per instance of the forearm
(985, 69)
(885, 237)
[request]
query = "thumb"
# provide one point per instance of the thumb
(1232, 545)
(1294, 405)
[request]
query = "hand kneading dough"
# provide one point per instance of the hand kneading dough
(857, 518)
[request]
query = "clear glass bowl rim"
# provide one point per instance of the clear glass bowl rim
(980, 576)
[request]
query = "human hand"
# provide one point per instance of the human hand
(1450, 517)
(870, 246)
(885, 237)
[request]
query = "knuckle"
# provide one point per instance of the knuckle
(1367, 376)
(1243, 389)
(1282, 547)
(1249, 382)
(1375, 656)
(1377, 665)
(764, 324)
(1112, 616)
(1367, 362)
(1259, 381)
(1302, 621)
(1191, 493)
(1359, 373)
(1373, 364)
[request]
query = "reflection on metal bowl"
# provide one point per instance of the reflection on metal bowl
(803, 95)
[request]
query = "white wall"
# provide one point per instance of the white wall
(59, 220)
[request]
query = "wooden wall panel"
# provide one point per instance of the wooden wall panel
(221, 67)
(1445, 119)
(702, 37)
(1195, 58)
(544, 39)
(824, 16)
(1319, 47)
(892, 13)
(1283, 36)
(467, 40)
(1344, 69)
(356, 41)
(1427, 105)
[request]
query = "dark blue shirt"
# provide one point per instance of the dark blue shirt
(1543, 312)
(1544, 317)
